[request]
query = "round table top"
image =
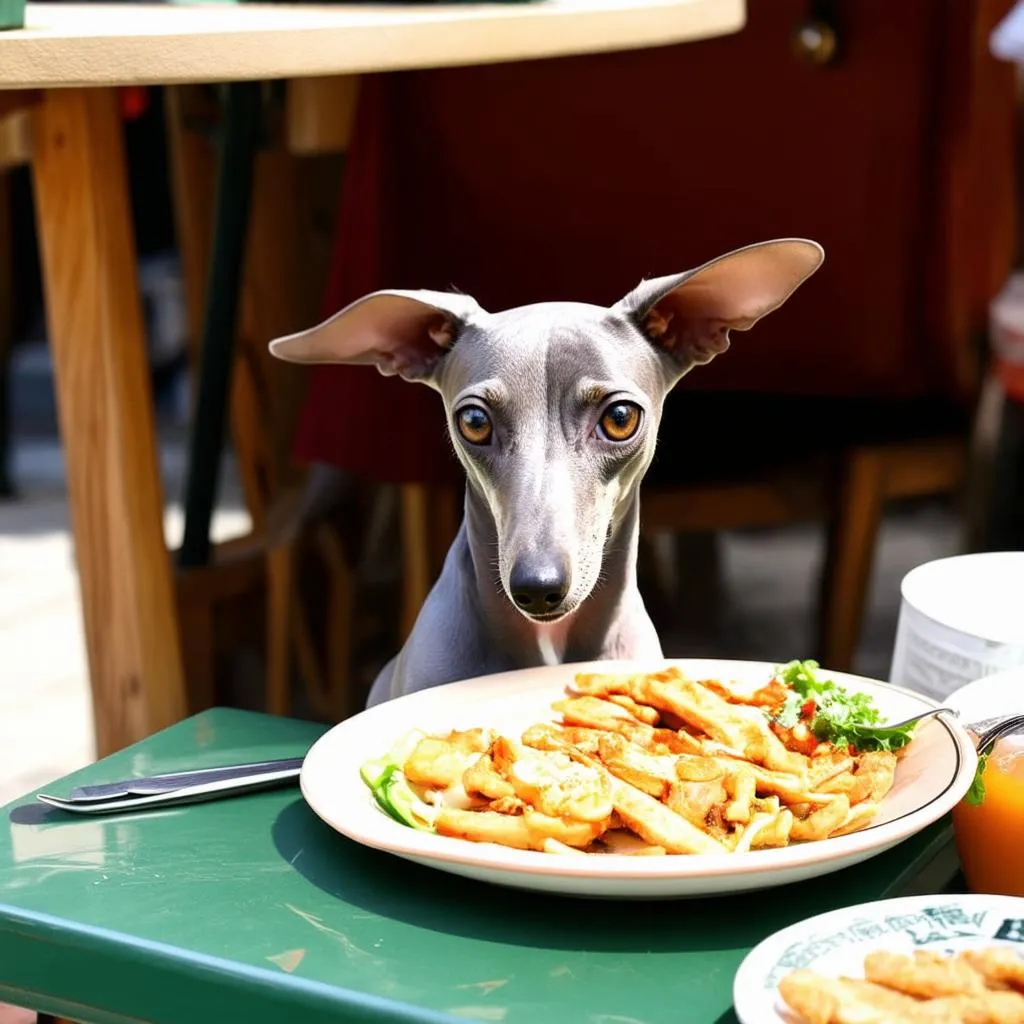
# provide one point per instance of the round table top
(136, 44)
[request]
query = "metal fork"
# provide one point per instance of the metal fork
(988, 730)
(992, 730)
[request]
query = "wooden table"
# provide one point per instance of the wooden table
(251, 909)
(67, 61)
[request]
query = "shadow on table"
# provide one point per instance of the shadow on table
(425, 898)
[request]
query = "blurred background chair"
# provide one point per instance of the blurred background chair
(893, 148)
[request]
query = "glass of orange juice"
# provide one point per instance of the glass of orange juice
(989, 823)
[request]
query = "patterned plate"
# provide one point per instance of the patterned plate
(836, 943)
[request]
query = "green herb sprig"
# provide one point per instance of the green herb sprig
(976, 794)
(836, 716)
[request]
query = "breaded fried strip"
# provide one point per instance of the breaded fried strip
(601, 684)
(439, 761)
(691, 768)
(547, 736)
(554, 846)
(988, 1008)
(791, 788)
(507, 805)
(997, 965)
(592, 713)
(649, 818)
(481, 777)
(814, 998)
(641, 712)
(775, 834)
(922, 979)
(855, 788)
(697, 801)
(628, 844)
(707, 712)
(741, 786)
(653, 821)
(552, 782)
(879, 768)
(527, 831)
(821, 823)
(632, 764)
(563, 830)
(827, 765)
(896, 1007)
(484, 827)
(860, 815)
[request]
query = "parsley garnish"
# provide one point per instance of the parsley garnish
(840, 718)
(976, 794)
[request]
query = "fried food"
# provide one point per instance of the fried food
(552, 782)
(923, 978)
(652, 764)
(439, 761)
(974, 987)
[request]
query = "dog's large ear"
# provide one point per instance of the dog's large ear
(403, 332)
(689, 316)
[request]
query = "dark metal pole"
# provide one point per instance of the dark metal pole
(239, 142)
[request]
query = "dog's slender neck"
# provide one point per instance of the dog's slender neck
(583, 634)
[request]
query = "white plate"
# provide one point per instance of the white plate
(935, 773)
(836, 943)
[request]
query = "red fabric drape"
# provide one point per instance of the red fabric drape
(573, 178)
(383, 428)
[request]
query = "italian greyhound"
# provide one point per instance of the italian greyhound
(553, 410)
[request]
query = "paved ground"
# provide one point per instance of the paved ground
(45, 710)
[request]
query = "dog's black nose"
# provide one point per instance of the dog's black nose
(538, 585)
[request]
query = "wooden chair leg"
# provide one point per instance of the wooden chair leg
(6, 332)
(339, 702)
(99, 347)
(287, 627)
(849, 556)
(445, 519)
(280, 579)
(656, 573)
(197, 650)
(415, 526)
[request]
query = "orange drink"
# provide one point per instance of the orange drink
(990, 833)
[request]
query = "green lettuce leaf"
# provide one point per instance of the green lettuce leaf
(841, 718)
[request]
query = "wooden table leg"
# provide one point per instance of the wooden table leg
(106, 413)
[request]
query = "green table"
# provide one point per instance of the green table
(250, 909)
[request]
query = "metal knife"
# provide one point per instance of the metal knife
(177, 787)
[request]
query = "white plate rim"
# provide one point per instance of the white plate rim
(419, 845)
(750, 973)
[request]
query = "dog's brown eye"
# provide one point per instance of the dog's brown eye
(474, 425)
(620, 421)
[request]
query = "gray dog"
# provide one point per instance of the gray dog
(553, 410)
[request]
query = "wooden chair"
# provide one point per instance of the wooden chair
(280, 293)
(916, 209)
(848, 492)
(15, 149)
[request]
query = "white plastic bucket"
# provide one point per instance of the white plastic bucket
(961, 619)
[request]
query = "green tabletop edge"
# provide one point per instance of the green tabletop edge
(12, 14)
(450, 950)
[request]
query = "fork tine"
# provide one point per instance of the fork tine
(1005, 728)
